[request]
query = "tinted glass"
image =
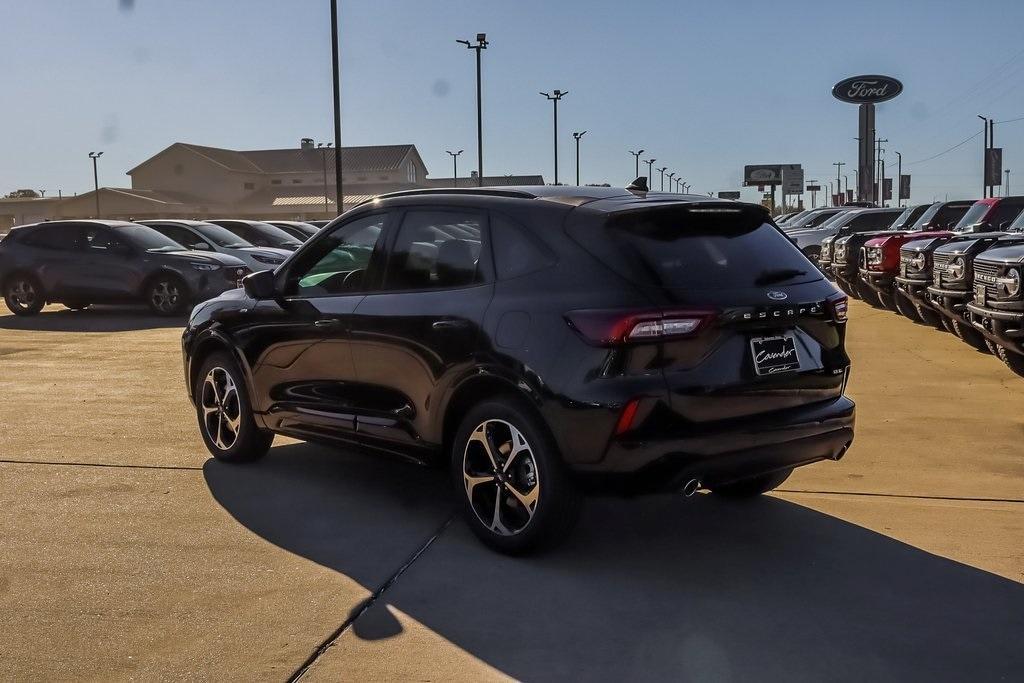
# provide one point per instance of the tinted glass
(821, 218)
(516, 252)
(948, 216)
(339, 263)
(99, 239)
(674, 248)
(263, 235)
(179, 234)
(973, 215)
(871, 220)
(435, 250)
(146, 238)
(928, 214)
(221, 237)
(1003, 215)
(1018, 224)
(58, 237)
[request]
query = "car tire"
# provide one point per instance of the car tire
(946, 323)
(224, 413)
(847, 289)
(993, 348)
(971, 336)
(929, 316)
(869, 296)
(515, 491)
(167, 295)
(23, 294)
(1013, 360)
(754, 486)
(906, 307)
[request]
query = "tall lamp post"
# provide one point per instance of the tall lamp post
(336, 72)
(455, 166)
(899, 179)
(636, 173)
(577, 137)
(481, 44)
(650, 171)
(554, 97)
(96, 179)
(324, 156)
(839, 187)
(1006, 190)
(671, 180)
(662, 172)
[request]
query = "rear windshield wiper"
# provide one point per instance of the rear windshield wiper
(772, 276)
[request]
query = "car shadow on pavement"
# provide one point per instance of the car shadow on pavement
(647, 589)
(98, 319)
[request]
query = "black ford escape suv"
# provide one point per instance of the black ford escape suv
(83, 262)
(540, 341)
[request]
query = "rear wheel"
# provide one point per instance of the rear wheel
(754, 486)
(225, 413)
(167, 295)
(516, 493)
(971, 336)
(1013, 360)
(24, 295)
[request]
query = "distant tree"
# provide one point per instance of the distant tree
(22, 194)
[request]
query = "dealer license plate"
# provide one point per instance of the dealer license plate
(979, 294)
(774, 355)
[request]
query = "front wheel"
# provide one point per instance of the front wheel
(754, 486)
(225, 413)
(24, 295)
(971, 336)
(906, 307)
(1013, 360)
(167, 295)
(516, 494)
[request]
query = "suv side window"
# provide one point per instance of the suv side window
(102, 240)
(53, 237)
(182, 236)
(340, 261)
(516, 251)
(436, 249)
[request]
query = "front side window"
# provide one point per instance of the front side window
(436, 250)
(101, 240)
(179, 234)
(339, 263)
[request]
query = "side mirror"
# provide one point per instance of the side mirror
(201, 246)
(259, 285)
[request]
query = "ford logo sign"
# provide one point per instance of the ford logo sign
(776, 295)
(867, 89)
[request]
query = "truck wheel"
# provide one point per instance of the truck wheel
(906, 307)
(929, 317)
(847, 289)
(948, 325)
(754, 486)
(971, 336)
(1013, 360)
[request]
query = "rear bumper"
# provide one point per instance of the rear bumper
(726, 452)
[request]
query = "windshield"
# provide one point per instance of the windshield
(810, 219)
(902, 218)
(974, 215)
(147, 238)
(263, 235)
(676, 249)
(1018, 224)
(221, 236)
(925, 217)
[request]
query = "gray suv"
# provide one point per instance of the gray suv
(83, 262)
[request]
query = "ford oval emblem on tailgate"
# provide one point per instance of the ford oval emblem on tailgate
(776, 295)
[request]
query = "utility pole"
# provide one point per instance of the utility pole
(839, 167)
(984, 156)
(899, 179)
(96, 179)
(336, 72)
(650, 172)
(557, 95)
(1006, 189)
(577, 136)
(481, 44)
(880, 169)
(323, 155)
(662, 172)
(455, 166)
(636, 173)
(856, 181)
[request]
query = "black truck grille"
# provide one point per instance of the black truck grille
(986, 274)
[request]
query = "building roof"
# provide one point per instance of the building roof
(369, 159)
(313, 195)
(489, 181)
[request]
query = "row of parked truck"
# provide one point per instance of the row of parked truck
(955, 265)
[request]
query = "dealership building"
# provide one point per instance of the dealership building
(193, 181)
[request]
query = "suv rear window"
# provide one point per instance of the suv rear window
(680, 248)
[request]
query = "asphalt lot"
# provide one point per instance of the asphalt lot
(127, 553)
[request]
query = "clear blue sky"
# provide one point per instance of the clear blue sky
(703, 87)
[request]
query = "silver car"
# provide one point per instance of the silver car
(202, 236)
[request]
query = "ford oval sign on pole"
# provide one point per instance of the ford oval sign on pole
(867, 89)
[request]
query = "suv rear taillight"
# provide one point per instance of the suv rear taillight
(837, 306)
(610, 327)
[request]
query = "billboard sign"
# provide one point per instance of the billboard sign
(729, 195)
(867, 89)
(814, 188)
(762, 174)
(905, 186)
(994, 166)
(792, 179)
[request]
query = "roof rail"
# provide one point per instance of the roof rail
(486, 191)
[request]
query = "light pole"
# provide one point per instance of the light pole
(671, 177)
(455, 166)
(323, 154)
(636, 173)
(881, 171)
(557, 95)
(577, 137)
(856, 182)
(1006, 190)
(481, 44)
(650, 171)
(96, 179)
(662, 172)
(686, 187)
(899, 179)
(839, 167)
(846, 182)
(336, 73)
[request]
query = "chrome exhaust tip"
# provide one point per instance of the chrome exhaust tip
(690, 487)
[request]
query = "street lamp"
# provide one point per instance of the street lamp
(839, 167)
(96, 179)
(899, 179)
(335, 70)
(558, 94)
(481, 44)
(650, 171)
(455, 166)
(662, 172)
(577, 137)
(636, 173)
(324, 155)
(984, 156)
(671, 176)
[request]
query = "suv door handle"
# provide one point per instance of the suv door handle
(450, 324)
(327, 323)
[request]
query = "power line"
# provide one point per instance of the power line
(936, 156)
